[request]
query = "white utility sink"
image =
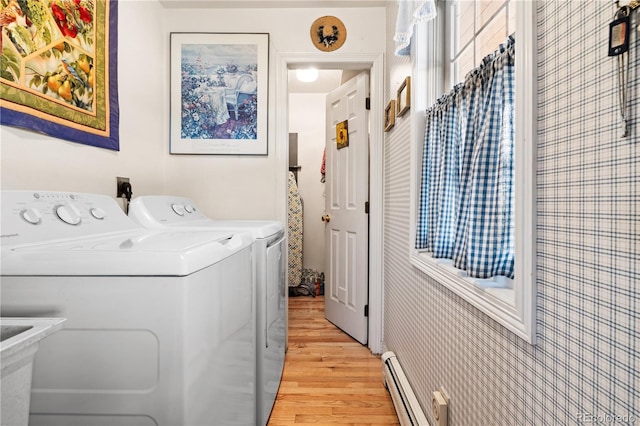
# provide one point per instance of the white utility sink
(19, 339)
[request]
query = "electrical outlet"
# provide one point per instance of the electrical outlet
(439, 407)
(119, 181)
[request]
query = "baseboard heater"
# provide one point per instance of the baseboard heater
(404, 399)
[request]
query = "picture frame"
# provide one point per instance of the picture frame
(390, 115)
(219, 93)
(342, 134)
(404, 97)
(619, 36)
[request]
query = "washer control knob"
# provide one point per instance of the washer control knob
(98, 213)
(68, 213)
(189, 208)
(178, 209)
(31, 215)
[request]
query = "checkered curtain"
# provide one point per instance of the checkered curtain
(466, 210)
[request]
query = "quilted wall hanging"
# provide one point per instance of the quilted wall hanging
(58, 69)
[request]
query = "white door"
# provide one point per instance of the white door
(346, 221)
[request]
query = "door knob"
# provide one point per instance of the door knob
(326, 218)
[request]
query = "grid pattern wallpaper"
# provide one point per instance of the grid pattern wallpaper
(585, 367)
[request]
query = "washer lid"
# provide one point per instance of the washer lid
(139, 253)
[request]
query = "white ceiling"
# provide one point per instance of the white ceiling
(326, 82)
(235, 4)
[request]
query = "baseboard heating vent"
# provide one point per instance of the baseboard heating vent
(404, 400)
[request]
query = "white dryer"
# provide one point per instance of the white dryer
(160, 324)
(173, 212)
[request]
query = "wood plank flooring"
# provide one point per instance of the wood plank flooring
(328, 377)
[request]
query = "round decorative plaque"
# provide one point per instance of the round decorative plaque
(328, 33)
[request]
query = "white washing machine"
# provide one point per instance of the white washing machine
(160, 324)
(173, 212)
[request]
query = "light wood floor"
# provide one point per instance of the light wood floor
(328, 377)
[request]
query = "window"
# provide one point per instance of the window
(477, 29)
(472, 28)
(466, 190)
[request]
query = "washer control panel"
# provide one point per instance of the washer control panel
(157, 211)
(29, 216)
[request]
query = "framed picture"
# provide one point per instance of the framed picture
(342, 134)
(619, 36)
(390, 115)
(219, 89)
(404, 97)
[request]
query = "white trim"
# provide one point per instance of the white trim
(375, 62)
(526, 159)
(426, 72)
(282, 165)
(519, 316)
(282, 135)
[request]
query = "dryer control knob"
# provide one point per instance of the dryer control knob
(178, 209)
(31, 215)
(189, 208)
(98, 213)
(68, 213)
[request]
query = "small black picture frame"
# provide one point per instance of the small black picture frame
(619, 32)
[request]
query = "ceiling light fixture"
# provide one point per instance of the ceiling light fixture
(307, 75)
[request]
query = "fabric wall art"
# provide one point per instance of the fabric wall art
(58, 71)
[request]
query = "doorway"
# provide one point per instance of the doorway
(335, 219)
(373, 62)
(306, 163)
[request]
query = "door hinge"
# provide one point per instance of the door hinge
(367, 103)
(366, 310)
(366, 207)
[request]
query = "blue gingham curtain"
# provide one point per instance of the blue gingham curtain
(466, 199)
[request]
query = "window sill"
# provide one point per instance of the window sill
(495, 297)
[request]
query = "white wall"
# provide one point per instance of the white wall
(222, 186)
(34, 161)
(307, 112)
(246, 187)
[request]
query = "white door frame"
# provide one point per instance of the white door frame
(374, 62)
